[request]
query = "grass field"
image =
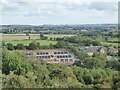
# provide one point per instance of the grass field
(113, 39)
(109, 44)
(22, 38)
(26, 42)
(10, 37)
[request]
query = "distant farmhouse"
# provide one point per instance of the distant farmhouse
(91, 49)
(51, 56)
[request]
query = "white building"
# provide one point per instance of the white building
(51, 56)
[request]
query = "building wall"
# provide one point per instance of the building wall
(51, 56)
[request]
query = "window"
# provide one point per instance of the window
(69, 56)
(42, 56)
(38, 53)
(28, 53)
(62, 60)
(65, 52)
(66, 56)
(58, 52)
(46, 57)
(46, 52)
(66, 60)
(39, 56)
(63, 56)
(61, 52)
(41, 53)
(58, 56)
(55, 52)
(70, 60)
(52, 56)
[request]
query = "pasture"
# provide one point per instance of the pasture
(26, 42)
(10, 37)
(22, 38)
(109, 44)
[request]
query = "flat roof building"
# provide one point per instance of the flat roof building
(51, 56)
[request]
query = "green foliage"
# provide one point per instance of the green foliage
(12, 61)
(20, 47)
(3, 44)
(32, 46)
(81, 40)
(113, 65)
(42, 37)
(16, 81)
(61, 44)
(10, 46)
(97, 61)
(21, 73)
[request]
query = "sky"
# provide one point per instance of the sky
(39, 12)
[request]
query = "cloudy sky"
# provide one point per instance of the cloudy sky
(37, 12)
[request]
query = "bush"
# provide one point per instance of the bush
(10, 46)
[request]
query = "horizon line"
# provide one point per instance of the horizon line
(61, 24)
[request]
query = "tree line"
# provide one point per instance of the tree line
(17, 72)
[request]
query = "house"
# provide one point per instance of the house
(51, 56)
(91, 49)
(112, 50)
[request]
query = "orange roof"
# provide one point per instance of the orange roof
(46, 50)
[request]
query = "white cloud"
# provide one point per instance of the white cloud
(62, 11)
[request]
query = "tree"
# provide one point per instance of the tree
(113, 64)
(42, 37)
(96, 43)
(12, 61)
(99, 60)
(110, 34)
(51, 38)
(29, 38)
(38, 45)
(27, 33)
(51, 46)
(20, 47)
(10, 46)
(17, 81)
(61, 44)
(3, 44)
(32, 46)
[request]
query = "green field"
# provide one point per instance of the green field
(109, 44)
(113, 39)
(22, 38)
(10, 37)
(26, 42)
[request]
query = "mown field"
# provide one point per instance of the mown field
(26, 42)
(22, 38)
(10, 37)
(109, 44)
